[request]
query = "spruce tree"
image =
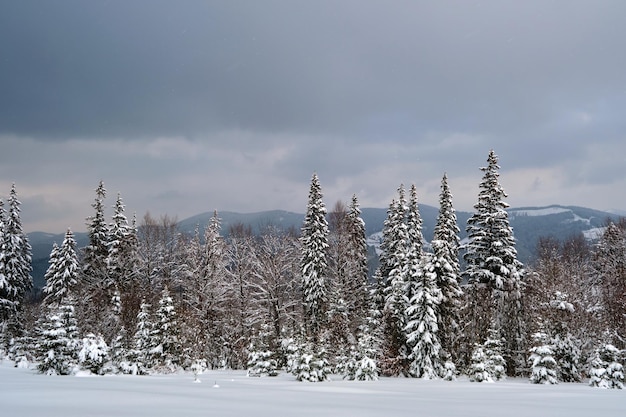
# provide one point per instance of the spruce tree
(542, 363)
(57, 342)
(117, 252)
(393, 276)
(314, 239)
(96, 252)
(445, 246)
(492, 264)
(423, 324)
(358, 263)
(606, 371)
(93, 355)
(16, 260)
(165, 341)
(62, 274)
(139, 357)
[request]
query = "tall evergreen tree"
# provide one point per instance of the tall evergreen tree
(62, 274)
(445, 246)
(422, 326)
(117, 252)
(15, 269)
(446, 227)
(57, 343)
(96, 251)
(314, 264)
(165, 335)
(17, 255)
(392, 281)
(492, 265)
(358, 271)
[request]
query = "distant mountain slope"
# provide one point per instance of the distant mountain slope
(529, 224)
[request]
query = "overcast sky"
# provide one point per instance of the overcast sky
(189, 106)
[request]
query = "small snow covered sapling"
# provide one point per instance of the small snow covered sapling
(93, 354)
(605, 369)
(478, 367)
(542, 362)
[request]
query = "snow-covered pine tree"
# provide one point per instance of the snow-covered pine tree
(567, 356)
(93, 355)
(477, 371)
(542, 363)
(261, 359)
(606, 371)
(165, 351)
(314, 239)
(494, 354)
(62, 274)
(445, 246)
(96, 252)
(312, 365)
(117, 253)
(492, 263)
(392, 278)
(57, 341)
(358, 270)
(15, 267)
(422, 321)
(139, 360)
(361, 365)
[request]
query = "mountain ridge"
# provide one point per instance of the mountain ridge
(529, 224)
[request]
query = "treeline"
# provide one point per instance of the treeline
(142, 297)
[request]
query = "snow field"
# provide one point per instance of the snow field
(25, 393)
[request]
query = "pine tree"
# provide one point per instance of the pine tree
(605, 369)
(57, 344)
(96, 252)
(445, 246)
(446, 227)
(361, 365)
(392, 276)
(117, 252)
(492, 262)
(165, 343)
(94, 354)
(314, 239)
(261, 359)
(542, 363)
(494, 351)
(477, 371)
(358, 270)
(422, 323)
(15, 262)
(139, 357)
(567, 356)
(312, 365)
(62, 274)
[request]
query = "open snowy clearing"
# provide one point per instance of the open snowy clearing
(25, 393)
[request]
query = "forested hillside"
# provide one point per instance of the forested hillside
(153, 295)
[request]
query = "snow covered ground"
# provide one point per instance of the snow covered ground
(25, 393)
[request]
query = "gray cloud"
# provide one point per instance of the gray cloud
(233, 104)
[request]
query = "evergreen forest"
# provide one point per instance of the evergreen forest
(144, 298)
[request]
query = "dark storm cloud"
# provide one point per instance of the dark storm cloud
(233, 104)
(365, 69)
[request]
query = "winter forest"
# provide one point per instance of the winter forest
(142, 298)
